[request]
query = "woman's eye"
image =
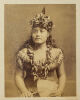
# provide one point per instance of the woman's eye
(41, 30)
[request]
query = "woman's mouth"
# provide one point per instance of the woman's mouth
(37, 38)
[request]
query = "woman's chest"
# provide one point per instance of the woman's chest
(40, 56)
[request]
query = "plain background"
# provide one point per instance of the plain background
(17, 30)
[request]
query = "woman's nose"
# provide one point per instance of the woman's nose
(38, 33)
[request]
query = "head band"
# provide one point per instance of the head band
(42, 21)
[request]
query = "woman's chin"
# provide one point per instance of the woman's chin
(38, 42)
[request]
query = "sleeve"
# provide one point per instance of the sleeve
(60, 56)
(21, 57)
(19, 61)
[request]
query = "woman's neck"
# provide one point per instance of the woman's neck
(40, 46)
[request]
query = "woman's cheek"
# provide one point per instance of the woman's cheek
(45, 38)
(33, 36)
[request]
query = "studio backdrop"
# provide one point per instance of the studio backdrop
(17, 29)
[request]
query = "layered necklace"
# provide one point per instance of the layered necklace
(40, 71)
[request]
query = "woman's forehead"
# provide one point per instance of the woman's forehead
(39, 28)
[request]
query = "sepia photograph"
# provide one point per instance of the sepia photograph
(40, 50)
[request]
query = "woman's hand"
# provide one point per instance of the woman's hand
(27, 94)
(56, 93)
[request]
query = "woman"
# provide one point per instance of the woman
(38, 60)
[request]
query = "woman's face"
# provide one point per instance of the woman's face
(39, 35)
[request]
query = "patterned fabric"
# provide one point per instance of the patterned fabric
(54, 56)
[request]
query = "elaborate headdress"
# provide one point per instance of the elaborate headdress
(43, 21)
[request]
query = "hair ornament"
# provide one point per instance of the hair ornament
(42, 21)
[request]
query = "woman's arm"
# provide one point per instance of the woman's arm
(62, 79)
(19, 79)
(61, 76)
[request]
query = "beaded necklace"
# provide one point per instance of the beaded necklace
(39, 70)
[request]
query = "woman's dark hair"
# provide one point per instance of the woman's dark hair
(50, 41)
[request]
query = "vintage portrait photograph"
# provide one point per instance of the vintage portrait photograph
(40, 50)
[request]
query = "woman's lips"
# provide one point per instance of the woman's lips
(38, 38)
